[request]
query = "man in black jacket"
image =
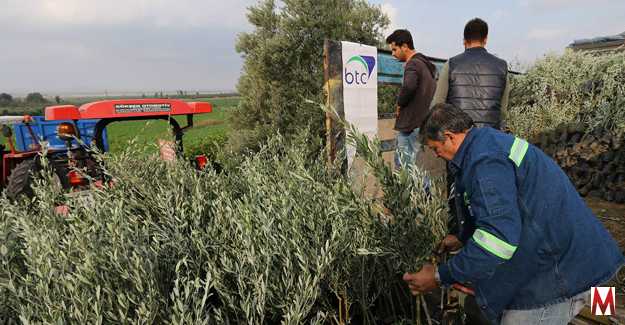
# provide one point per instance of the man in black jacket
(475, 80)
(414, 97)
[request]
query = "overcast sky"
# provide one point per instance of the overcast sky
(76, 46)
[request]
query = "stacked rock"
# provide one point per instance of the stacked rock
(594, 161)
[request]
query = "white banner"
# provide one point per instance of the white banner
(360, 89)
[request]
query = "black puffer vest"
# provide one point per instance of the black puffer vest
(477, 80)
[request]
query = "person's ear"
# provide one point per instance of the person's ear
(465, 43)
(484, 42)
(454, 138)
(449, 135)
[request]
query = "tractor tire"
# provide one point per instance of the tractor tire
(20, 181)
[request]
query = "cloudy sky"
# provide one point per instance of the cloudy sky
(78, 46)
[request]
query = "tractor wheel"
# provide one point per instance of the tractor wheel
(21, 179)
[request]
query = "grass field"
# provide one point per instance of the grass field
(146, 133)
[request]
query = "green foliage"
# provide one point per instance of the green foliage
(277, 238)
(35, 98)
(211, 146)
(207, 129)
(574, 88)
(284, 63)
(17, 106)
(22, 109)
(387, 98)
(220, 102)
(6, 99)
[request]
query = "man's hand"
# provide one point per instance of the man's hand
(422, 281)
(449, 244)
(397, 109)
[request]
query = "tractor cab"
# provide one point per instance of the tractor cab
(110, 111)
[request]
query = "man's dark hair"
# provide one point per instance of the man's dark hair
(475, 30)
(444, 117)
(400, 37)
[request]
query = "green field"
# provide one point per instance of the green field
(146, 133)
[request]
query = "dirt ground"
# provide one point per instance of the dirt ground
(613, 217)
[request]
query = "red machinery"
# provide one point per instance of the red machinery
(18, 168)
(110, 111)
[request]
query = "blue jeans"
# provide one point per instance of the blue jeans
(557, 314)
(407, 149)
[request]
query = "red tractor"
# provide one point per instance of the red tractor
(74, 166)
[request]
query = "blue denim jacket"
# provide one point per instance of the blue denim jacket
(530, 239)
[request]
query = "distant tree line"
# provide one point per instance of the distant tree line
(31, 98)
(32, 104)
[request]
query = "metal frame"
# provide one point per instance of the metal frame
(176, 129)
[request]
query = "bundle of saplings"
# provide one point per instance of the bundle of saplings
(573, 107)
(279, 237)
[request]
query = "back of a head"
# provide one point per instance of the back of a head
(475, 30)
(444, 117)
(400, 37)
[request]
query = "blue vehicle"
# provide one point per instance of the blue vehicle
(46, 131)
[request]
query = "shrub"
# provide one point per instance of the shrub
(284, 63)
(279, 238)
(387, 98)
(574, 88)
(6, 99)
(210, 146)
(35, 98)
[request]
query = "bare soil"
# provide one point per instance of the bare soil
(613, 217)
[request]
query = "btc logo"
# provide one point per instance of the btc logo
(358, 69)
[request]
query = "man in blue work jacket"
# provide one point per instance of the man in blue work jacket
(530, 246)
